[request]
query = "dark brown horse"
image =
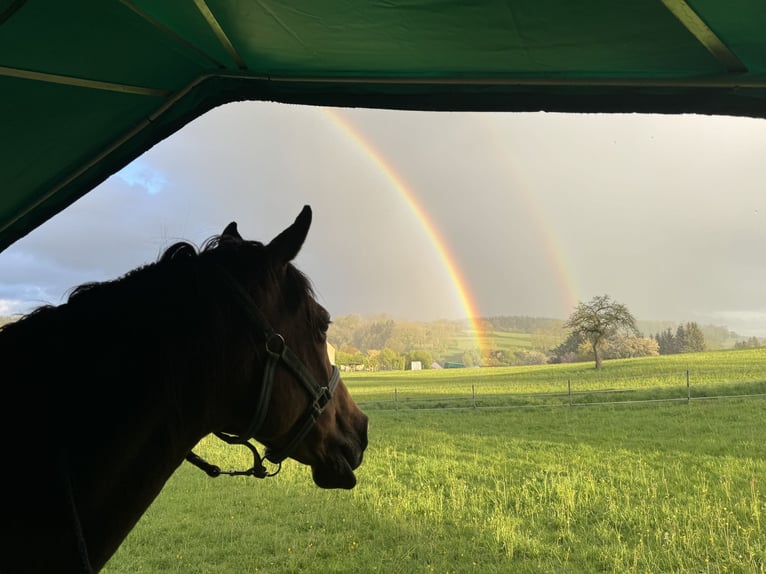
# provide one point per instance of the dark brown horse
(106, 395)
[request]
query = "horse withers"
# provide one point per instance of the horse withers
(107, 394)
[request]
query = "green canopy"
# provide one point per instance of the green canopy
(88, 86)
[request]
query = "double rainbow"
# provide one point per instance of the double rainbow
(397, 182)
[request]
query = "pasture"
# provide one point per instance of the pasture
(656, 487)
(732, 372)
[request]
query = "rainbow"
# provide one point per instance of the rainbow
(555, 251)
(397, 182)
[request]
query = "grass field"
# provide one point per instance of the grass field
(660, 487)
(716, 372)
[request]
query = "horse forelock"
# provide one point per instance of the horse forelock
(299, 281)
(248, 261)
(246, 258)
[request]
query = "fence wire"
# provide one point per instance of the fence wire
(687, 387)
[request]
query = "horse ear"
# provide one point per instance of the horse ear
(231, 231)
(285, 246)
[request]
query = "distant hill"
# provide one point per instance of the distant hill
(716, 336)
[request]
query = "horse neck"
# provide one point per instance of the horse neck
(144, 398)
(199, 376)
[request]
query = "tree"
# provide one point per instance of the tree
(389, 360)
(600, 319)
(681, 342)
(472, 358)
(667, 342)
(628, 347)
(751, 343)
(376, 336)
(350, 359)
(689, 338)
(529, 358)
(695, 339)
(425, 358)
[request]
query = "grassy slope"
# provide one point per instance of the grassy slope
(705, 369)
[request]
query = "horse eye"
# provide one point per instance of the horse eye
(324, 320)
(321, 333)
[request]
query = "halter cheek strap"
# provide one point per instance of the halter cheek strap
(320, 397)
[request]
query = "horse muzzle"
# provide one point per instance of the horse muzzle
(337, 468)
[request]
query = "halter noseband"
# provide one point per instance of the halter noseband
(277, 353)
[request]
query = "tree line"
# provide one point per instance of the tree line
(749, 343)
(608, 330)
(688, 338)
(381, 343)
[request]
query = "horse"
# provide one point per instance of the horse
(107, 394)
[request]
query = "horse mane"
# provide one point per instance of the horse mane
(178, 260)
(179, 251)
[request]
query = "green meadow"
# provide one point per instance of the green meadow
(732, 372)
(617, 487)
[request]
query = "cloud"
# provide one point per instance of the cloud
(141, 174)
(11, 307)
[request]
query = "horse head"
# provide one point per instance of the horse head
(298, 406)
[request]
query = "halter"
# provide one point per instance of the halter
(277, 353)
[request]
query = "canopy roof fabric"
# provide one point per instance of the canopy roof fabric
(88, 86)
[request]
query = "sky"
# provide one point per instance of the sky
(430, 215)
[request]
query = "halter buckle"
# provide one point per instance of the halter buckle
(275, 345)
(321, 401)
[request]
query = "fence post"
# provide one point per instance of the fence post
(688, 388)
(473, 394)
(569, 390)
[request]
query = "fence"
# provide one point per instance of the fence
(686, 386)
